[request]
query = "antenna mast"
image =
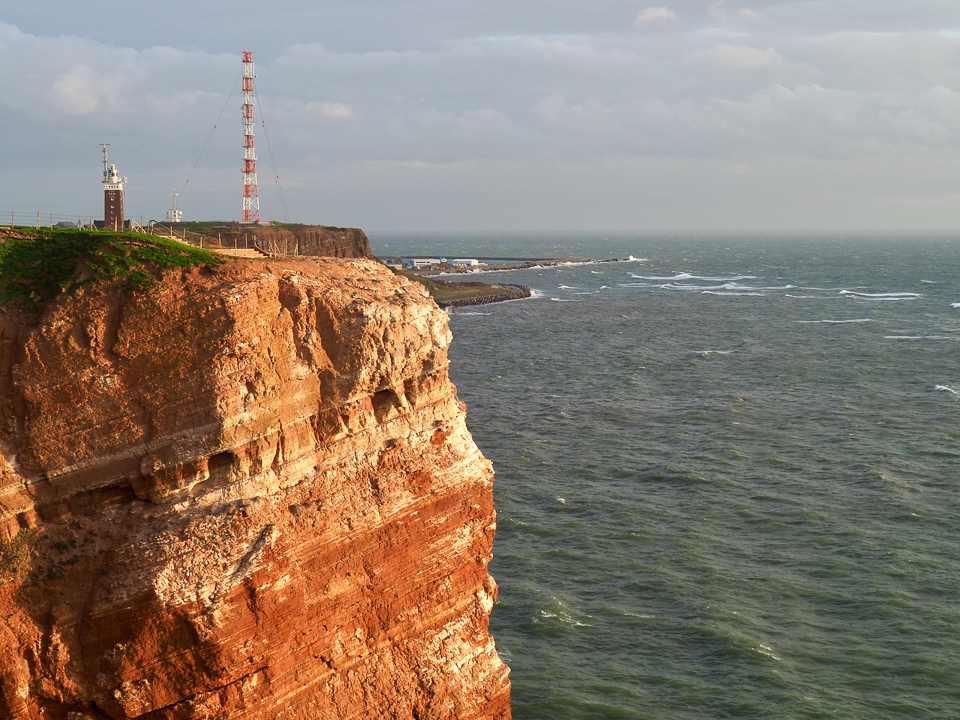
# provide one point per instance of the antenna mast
(251, 199)
(174, 215)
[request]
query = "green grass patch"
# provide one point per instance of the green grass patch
(15, 556)
(37, 265)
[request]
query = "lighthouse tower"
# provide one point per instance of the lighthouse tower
(112, 195)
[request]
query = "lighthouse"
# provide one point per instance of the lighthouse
(112, 195)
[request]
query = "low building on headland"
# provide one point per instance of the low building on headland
(424, 263)
(464, 262)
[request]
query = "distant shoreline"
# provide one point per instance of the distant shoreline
(449, 293)
(525, 265)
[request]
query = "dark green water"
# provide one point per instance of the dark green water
(727, 476)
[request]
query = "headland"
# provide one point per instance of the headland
(234, 488)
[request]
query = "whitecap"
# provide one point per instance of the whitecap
(725, 286)
(764, 650)
(559, 300)
(834, 322)
(567, 287)
(930, 282)
(897, 295)
(631, 258)
(688, 276)
(946, 388)
(561, 500)
(596, 272)
(675, 286)
(736, 294)
(831, 289)
(703, 353)
(955, 305)
(917, 337)
(472, 313)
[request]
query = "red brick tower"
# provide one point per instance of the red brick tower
(112, 195)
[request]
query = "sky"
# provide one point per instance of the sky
(495, 116)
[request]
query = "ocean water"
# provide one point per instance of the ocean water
(728, 474)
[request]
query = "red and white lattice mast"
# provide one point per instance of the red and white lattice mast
(251, 199)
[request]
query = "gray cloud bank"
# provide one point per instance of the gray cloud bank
(523, 116)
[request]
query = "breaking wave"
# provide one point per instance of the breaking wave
(883, 296)
(834, 322)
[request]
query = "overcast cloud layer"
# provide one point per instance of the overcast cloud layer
(429, 115)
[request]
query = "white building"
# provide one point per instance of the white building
(420, 263)
(174, 215)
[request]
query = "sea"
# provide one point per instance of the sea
(727, 472)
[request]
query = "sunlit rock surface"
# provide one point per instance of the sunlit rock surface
(246, 492)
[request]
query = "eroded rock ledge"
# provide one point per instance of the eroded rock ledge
(246, 492)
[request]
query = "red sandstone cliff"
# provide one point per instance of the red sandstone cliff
(246, 492)
(320, 240)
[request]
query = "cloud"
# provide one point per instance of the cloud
(721, 14)
(80, 91)
(744, 57)
(333, 110)
(653, 14)
(758, 96)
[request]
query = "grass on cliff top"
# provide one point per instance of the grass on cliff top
(37, 265)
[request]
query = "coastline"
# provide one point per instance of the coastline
(527, 265)
(447, 293)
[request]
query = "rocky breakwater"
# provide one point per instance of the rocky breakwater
(245, 491)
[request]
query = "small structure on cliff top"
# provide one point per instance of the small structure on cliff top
(174, 215)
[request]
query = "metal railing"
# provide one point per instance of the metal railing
(37, 219)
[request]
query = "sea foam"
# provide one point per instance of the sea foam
(834, 322)
(734, 294)
(882, 296)
(688, 276)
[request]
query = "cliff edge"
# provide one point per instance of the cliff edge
(242, 492)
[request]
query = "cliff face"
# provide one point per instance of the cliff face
(246, 492)
(318, 240)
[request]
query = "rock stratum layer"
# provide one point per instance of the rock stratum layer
(245, 492)
(297, 239)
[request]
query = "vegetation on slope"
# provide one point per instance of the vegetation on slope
(37, 265)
